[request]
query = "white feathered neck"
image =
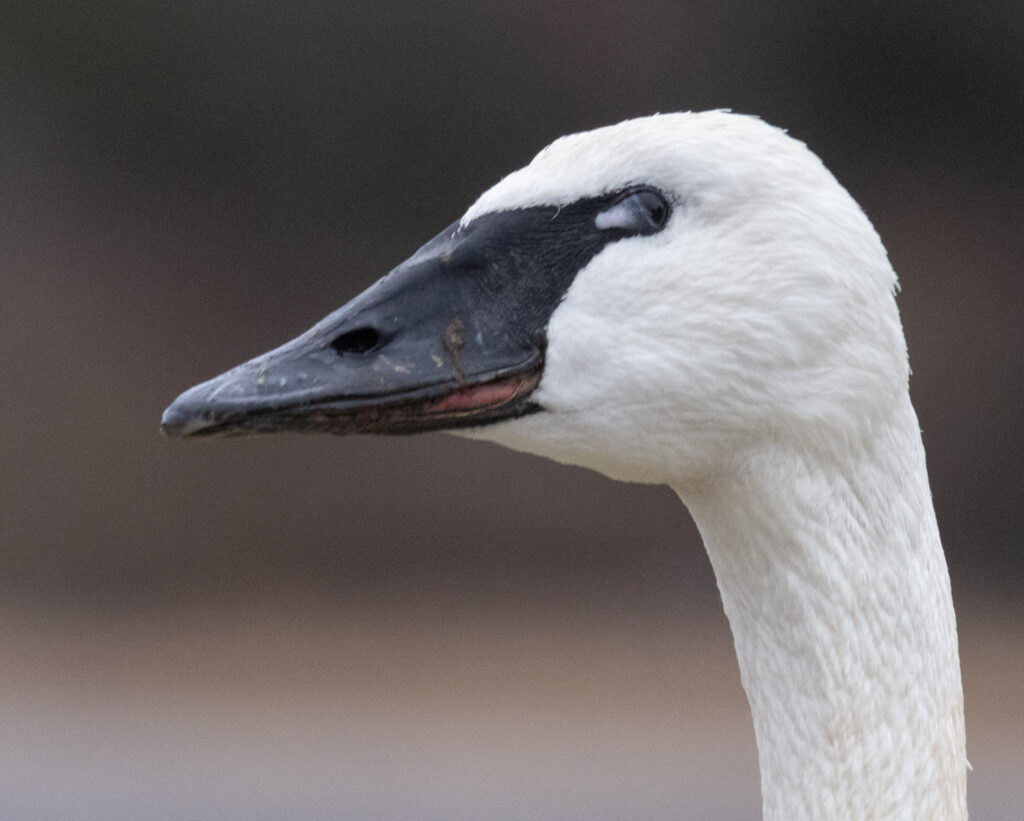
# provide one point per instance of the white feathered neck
(836, 589)
(751, 356)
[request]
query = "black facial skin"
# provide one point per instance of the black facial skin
(455, 336)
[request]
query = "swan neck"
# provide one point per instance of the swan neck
(835, 585)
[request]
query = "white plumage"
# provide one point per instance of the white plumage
(751, 357)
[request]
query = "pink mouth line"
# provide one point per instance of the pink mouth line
(485, 395)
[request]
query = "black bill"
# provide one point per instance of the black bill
(454, 336)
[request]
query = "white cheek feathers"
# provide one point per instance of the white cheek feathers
(751, 299)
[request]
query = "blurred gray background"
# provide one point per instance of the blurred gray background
(428, 628)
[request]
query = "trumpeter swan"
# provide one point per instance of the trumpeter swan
(689, 299)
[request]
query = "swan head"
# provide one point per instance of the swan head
(652, 299)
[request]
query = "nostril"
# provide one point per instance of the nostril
(358, 340)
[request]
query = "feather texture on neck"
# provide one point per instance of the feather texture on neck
(835, 585)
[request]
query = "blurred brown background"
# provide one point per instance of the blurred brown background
(427, 628)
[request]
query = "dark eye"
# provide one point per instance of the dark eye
(637, 212)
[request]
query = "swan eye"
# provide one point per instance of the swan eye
(635, 213)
